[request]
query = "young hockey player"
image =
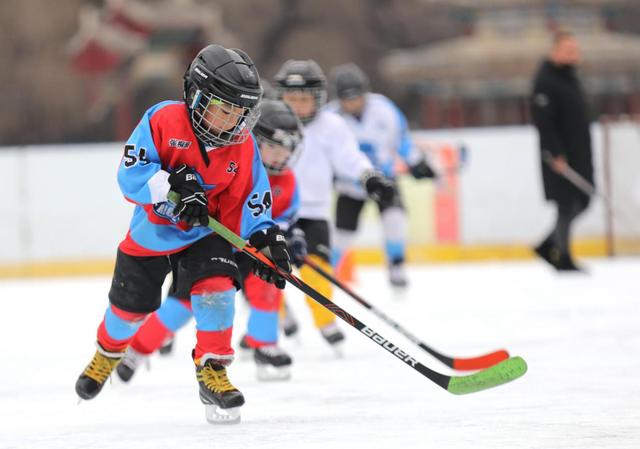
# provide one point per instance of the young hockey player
(382, 133)
(330, 150)
(278, 134)
(202, 149)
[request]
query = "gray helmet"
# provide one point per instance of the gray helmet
(349, 81)
(278, 125)
(302, 75)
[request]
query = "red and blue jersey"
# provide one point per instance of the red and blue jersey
(234, 179)
(286, 198)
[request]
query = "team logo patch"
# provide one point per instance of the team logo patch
(277, 191)
(166, 210)
(233, 167)
(179, 144)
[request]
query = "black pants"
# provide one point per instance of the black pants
(348, 209)
(137, 281)
(317, 237)
(567, 212)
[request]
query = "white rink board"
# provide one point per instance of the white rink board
(65, 204)
(579, 335)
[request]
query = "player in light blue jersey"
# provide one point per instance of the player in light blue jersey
(383, 135)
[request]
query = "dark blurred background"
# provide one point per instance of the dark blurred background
(81, 71)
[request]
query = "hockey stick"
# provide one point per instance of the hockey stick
(574, 178)
(504, 372)
(587, 188)
(459, 363)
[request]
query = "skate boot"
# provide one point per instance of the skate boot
(398, 276)
(97, 372)
(288, 322)
(221, 399)
(272, 363)
(244, 351)
(167, 346)
(130, 363)
(334, 336)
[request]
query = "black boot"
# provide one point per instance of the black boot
(130, 363)
(92, 379)
(272, 363)
(221, 399)
(549, 252)
(167, 346)
(567, 264)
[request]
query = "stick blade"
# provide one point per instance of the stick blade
(499, 374)
(481, 362)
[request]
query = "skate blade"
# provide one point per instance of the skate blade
(217, 415)
(338, 349)
(267, 373)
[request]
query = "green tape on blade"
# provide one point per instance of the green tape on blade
(499, 374)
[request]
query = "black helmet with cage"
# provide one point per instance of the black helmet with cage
(306, 76)
(278, 127)
(349, 81)
(221, 79)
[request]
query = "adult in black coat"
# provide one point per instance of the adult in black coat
(561, 115)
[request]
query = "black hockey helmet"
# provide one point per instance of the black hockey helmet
(280, 127)
(305, 76)
(349, 81)
(222, 78)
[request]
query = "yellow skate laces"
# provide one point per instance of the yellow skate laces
(101, 366)
(216, 381)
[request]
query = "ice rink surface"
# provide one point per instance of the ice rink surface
(580, 335)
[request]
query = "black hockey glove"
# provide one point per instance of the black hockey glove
(192, 207)
(273, 245)
(297, 245)
(379, 188)
(422, 170)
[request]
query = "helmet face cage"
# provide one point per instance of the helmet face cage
(218, 122)
(319, 95)
(280, 150)
(303, 76)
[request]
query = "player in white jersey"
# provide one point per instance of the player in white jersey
(329, 150)
(383, 135)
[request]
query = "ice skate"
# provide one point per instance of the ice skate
(92, 379)
(221, 399)
(272, 363)
(167, 346)
(334, 336)
(130, 363)
(244, 351)
(398, 276)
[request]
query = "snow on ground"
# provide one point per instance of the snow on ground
(580, 335)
